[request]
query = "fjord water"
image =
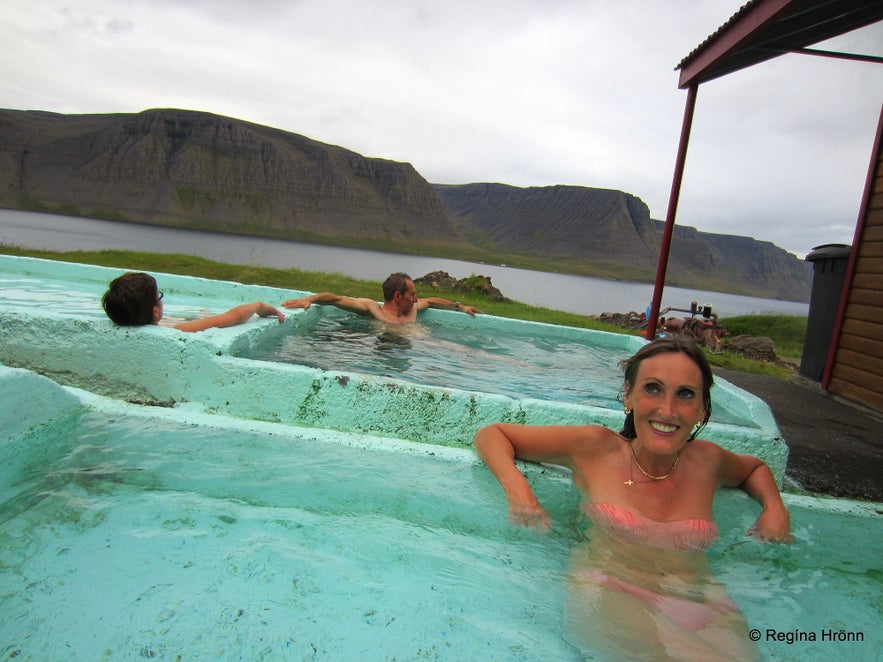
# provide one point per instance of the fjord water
(575, 294)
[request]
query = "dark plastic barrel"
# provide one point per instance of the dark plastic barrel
(829, 263)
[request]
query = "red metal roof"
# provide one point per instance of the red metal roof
(764, 29)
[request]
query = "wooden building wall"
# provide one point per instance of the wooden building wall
(857, 368)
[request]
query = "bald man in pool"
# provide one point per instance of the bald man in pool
(400, 302)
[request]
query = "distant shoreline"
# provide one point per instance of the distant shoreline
(540, 265)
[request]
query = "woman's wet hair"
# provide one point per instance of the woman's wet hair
(130, 299)
(677, 345)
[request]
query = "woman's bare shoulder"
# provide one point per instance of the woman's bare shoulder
(599, 440)
(707, 449)
(709, 454)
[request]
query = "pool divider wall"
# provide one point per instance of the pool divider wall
(37, 416)
(30, 401)
(158, 365)
(36, 435)
(45, 431)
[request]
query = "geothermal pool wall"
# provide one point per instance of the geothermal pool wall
(162, 367)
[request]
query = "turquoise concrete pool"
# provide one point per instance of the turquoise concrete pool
(53, 324)
(163, 496)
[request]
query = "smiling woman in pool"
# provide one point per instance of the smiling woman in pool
(648, 490)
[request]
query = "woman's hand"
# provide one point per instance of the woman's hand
(773, 525)
(266, 310)
(530, 516)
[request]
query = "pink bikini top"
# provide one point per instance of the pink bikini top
(684, 534)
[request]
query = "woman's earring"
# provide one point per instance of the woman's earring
(627, 410)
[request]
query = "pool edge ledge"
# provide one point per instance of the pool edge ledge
(157, 364)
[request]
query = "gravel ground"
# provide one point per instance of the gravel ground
(834, 448)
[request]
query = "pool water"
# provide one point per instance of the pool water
(829, 581)
(183, 543)
(518, 363)
(470, 359)
(144, 537)
(56, 296)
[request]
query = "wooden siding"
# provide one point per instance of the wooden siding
(857, 372)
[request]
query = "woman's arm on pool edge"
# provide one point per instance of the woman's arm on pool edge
(752, 475)
(232, 317)
(499, 445)
(497, 452)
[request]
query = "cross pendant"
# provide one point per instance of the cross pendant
(628, 482)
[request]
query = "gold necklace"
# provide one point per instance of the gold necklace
(630, 482)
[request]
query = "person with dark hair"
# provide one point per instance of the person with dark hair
(134, 299)
(648, 492)
(400, 302)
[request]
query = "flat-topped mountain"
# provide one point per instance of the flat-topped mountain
(202, 171)
(198, 170)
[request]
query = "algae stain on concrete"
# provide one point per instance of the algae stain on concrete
(313, 408)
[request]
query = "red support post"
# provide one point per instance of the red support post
(665, 248)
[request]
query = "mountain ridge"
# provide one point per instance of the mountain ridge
(194, 169)
(615, 228)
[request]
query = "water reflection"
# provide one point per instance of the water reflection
(392, 349)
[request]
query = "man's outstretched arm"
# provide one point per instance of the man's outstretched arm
(446, 304)
(360, 306)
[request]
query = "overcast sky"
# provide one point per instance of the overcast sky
(522, 92)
